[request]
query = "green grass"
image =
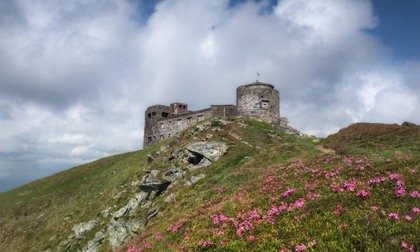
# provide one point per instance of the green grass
(259, 166)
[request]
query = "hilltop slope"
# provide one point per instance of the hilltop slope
(269, 191)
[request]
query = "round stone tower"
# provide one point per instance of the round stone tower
(258, 101)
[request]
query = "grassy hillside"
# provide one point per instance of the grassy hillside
(271, 191)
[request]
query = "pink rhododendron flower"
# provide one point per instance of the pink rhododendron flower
(338, 209)
(394, 176)
(288, 192)
(360, 167)
(300, 247)
(158, 236)
(215, 219)
(399, 192)
(299, 203)
(363, 194)
(240, 231)
(349, 186)
(416, 210)
(376, 180)
(254, 214)
(374, 208)
(251, 238)
(311, 195)
(408, 218)
(405, 246)
(394, 216)
(399, 189)
(415, 194)
(205, 243)
(273, 211)
(348, 162)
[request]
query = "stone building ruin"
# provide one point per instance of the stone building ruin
(255, 100)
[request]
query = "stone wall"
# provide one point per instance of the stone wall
(158, 127)
(258, 101)
(223, 111)
(167, 127)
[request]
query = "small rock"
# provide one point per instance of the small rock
(187, 183)
(120, 231)
(210, 150)
(171, 198)
(105, 212)
(127, 209)
(81, 229)
(131, 205)
(135, 226)
(194, 179)
(150, 183)
(234, 135)
(153, 212)
(117, 233)
(163, 149)
(208, 136)
(173, 174)
(93, 244)
(217, 129)
(118, 194)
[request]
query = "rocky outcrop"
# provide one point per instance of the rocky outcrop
(173, 174)
(81, 229)
(94, 244)
(194, 179)
(150, 183)
(131, 205)
(125, 222)
(204, 153)
(120, 230)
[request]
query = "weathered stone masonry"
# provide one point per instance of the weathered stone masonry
(256, 100)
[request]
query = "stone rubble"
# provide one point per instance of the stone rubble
(123, 223)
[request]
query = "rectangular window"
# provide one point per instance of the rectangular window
(164, 114)
(149, 115)
(149, 139)
(154, 114)
(264, 104)
(178, 122)
(162, 125)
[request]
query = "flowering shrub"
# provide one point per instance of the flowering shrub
(305, 205)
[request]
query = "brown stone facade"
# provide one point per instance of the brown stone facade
(256, 100)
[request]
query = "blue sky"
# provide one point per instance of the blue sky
(399, 27)
(77, 76)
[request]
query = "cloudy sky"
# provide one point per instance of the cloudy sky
(76, 76)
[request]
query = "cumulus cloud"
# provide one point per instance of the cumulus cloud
(76, 76)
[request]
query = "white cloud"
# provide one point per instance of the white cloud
(76, 76)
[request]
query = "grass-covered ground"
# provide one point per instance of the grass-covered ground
(270, 192)
(290, 197)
